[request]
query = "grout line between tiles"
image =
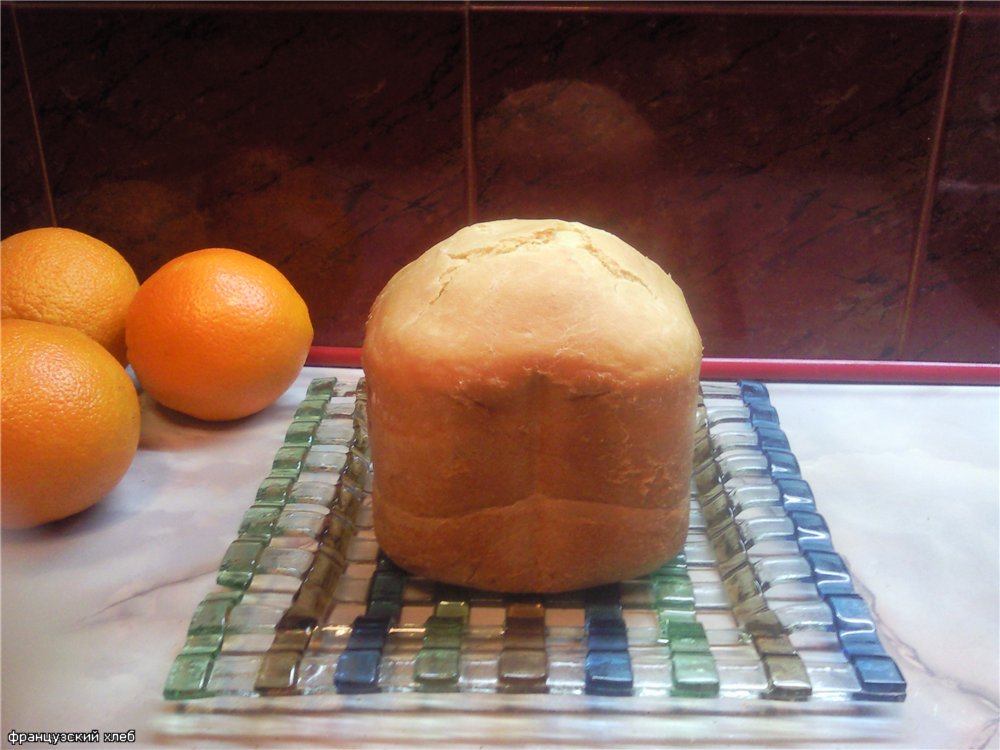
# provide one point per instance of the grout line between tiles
(468, 129)
(922, 238)
(47, 186)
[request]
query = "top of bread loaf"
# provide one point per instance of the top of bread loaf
(542, 295)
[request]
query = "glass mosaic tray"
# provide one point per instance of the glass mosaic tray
(309, 613)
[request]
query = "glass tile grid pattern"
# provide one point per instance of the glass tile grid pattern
(757, 606)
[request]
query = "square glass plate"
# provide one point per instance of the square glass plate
(759, 609)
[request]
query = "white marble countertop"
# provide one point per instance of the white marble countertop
(95, 608)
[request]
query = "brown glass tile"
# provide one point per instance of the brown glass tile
(24, 203)
(957, 312)
(773, 164)
(327, 142)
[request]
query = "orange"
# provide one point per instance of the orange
(65, 277)
(70, 422)
(217, 334)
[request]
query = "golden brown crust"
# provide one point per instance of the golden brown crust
(532, 393)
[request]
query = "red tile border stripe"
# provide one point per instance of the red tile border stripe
(778, 370)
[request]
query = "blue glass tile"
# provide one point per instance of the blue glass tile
(855, 625)
(607, 635)
(753, 390)
(811, 531)
(606, 612)
(384, 564)
(830, 573)
(357, 671)
(385, 610)
(880, 679)
(782, 463)
(386, 586)
(609, 595)
(762, 414)
(772, 437)
(796, 494)
(368, 633)
(608, 673)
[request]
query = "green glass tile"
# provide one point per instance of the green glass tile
(289, 459)
(210, 614)
(435, 638)
(188, 676)
(311, 409)
(209, 643)
(523, 671)
(675, 614)
(437, 669)
(688, 637)
(300, 433)
(787, 677)
(259, 520)
(673, 593)
(453, 611)
(673, 567)
(321, 388)
(239, 562)
(273, 491)
(278, 671)
(694, 675)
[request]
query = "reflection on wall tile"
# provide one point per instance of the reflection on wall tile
(773, 164)
(328, 143)
(957, 313)
(772, 157)
(23, 193)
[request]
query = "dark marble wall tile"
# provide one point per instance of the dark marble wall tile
(773, 164)
(23, 200)
(326, 141)
(957, 312)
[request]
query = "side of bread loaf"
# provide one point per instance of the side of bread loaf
(532, 391)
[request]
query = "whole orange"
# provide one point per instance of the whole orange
(70, 422)
(61, 276)
(217, 334)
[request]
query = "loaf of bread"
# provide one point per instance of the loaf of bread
(532, 396)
